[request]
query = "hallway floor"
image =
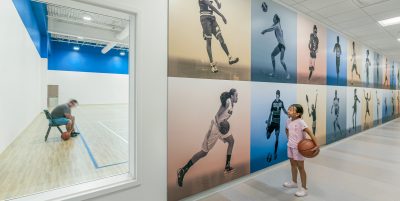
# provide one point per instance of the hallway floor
(365, 167)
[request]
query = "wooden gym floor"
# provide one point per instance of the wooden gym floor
(30, 165)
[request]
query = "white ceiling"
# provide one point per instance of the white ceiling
(66, 24)
(357, 19)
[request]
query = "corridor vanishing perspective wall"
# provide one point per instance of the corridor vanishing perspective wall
(249, 67)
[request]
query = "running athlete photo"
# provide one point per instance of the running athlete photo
(378, 104)
(313, 112)
(356, 99)
(274, 120)
(280, 48)
(367, 99)
(386, 82)
(354, 66)
(335, 107)
(338, 51)
(313, 47)
(217, 130)
(210, 28)
(377, 56)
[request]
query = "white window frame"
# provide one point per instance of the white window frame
(132, 178)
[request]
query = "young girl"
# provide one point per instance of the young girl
(295, 131)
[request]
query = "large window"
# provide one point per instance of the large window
(68, 115)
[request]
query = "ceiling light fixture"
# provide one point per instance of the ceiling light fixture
(87, 18)
(80, 37)
(390, 21)
(76, 48)
(398, 39)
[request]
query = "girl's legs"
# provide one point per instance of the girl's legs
(303, 175)
(294, 167)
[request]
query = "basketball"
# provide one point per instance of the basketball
(305, 148)
(65, 136)
(224, 127)
(264, 7)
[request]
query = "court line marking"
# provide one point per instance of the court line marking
(95, 164)
(112, 132)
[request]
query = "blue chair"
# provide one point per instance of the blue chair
(51, 124)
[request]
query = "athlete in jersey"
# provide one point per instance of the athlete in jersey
(335, 107)
(338, 50)
(210, 28)
(354, 60)
(367, 65)
(367, 99)
(280, 48)
(386, 82)
(377, 70)
(228, 100)
(313, 47)
(274, 120)
(355, 109)
(386, 108)
(313, 113)
(398, 78)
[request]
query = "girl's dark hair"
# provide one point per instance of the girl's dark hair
(299, 109)
(226, 95)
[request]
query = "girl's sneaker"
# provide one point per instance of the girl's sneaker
(301, 192)
(290, 184)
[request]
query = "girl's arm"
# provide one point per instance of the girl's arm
(313, 138)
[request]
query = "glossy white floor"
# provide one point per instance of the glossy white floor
(30, 165)
(365, 167)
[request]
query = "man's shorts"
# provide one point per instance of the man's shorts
(313, 54)
(61, 121)
(211, 140)
(281, 47)
(354, 67)
(273, 126)
(210, 27)
(294, 154)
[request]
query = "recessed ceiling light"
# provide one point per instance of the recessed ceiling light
(87, 18)
(76, 48)
(390, 21)
(122, 53)
(398, 39)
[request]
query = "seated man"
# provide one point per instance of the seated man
(62, 116)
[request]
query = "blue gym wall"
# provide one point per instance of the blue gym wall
(33, 15)
(88, 59)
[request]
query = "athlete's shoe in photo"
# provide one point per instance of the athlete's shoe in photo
(233, 60)
(213, 68)
(301, 192)
(229, 170)
(275, 156)
(290, 184)
(288, 76)
(180, 174)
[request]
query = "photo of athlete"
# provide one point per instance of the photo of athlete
(354, 66)
(377, 70)
(393, 105)
(210, 28)
(313, 112)
(356, 99)
(338, 51)
(386, 82)
(367, 99)
(386, 108)
(378, 104)
(398, 102)
(392, 77)
(280, 48)
(367, 65)
(335, 107)
(313, 47)
(218, 130)
(274, 120)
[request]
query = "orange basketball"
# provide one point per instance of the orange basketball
(65, 136)
(305, 148)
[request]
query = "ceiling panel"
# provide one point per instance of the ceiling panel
(382, 7)
(318, 4)
(336, 9)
